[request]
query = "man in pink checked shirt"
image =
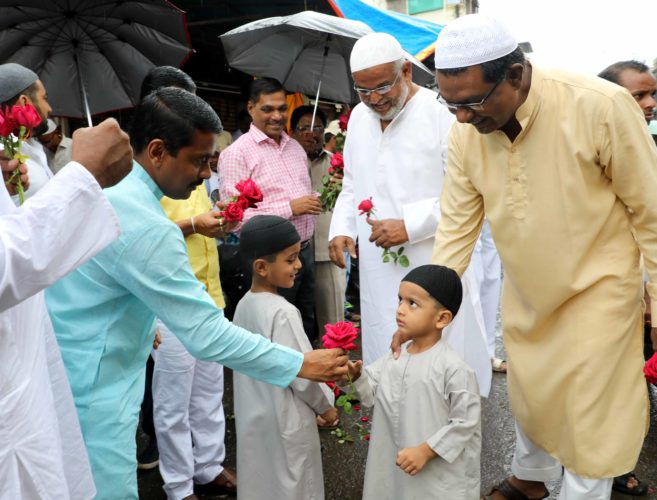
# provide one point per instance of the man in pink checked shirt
(278, 165)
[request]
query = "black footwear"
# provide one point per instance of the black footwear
(621, 484)
(150, 457)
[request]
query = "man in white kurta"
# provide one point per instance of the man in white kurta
(278, 447)
(395, 152)
(42, 455)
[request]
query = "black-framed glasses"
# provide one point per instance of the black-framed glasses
(317, 129)
(382, 90)
(472, 106)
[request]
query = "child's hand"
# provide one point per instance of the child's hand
(355, 368)
(329, 417)
(413, 460)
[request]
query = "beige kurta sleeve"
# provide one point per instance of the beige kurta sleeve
(368, 382)
(629, 158)
(288, 331)
(464, 414)
(462, 212)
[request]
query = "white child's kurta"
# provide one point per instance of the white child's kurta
(427, 397)
(278, 449)
(402, 169)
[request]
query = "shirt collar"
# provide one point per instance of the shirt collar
(259, 136)
(141, 174)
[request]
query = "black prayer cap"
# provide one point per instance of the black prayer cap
(441, 282)
(266, 235)
(14, 78)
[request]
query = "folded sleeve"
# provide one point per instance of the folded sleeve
(62, 226)
(165, 283)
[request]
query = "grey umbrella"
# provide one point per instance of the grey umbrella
(307, 52)
(92, 55)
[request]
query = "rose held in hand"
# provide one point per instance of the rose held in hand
(340, 335)
(366, 207)
(26, 116)
(249, 190)
(233, 212)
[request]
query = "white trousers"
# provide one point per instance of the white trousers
(189, 416)
(531, 463)
(490, 279)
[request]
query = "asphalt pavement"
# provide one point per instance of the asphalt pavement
(344, 463)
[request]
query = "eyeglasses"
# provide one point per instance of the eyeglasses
(472, 106)
(382, 90)
(308, 128)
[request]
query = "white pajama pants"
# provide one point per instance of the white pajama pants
(189, 416)
(531, 463)
(490, 279)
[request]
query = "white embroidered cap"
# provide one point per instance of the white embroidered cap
(471, 40)
(374, 49)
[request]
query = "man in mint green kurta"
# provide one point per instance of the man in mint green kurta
(103, 312)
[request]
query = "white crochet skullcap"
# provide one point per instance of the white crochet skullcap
(471, 40)
(374, 49)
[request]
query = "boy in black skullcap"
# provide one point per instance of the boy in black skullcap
(426, 430)
(278, 448)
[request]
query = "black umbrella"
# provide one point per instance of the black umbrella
(92, 55)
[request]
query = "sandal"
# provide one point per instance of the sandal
(224, 483)
(510, 492)
(499, 365)
(621, 485)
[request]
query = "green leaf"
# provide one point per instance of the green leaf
(348, 305)
(349, 439)
(342, 400)
(347, 408)
(386, 258)
(341, 441)
(400, 251)
(403, 261)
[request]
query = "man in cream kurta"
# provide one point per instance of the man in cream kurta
(42, 455)
(555, 160)
(398, 160)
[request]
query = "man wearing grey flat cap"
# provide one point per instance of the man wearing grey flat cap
(563, 168)
(21, 86)
(42, 454)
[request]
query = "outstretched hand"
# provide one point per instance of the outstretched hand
(324, 365)
(8, 167)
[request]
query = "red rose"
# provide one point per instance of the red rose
(340, 335)
(364, 419)
(344, 120)
(233, 212)
(243, 202)
(25, 116)
(6, 123)
(366, 207)
(337, 160)
(331, 170)
(650, 370)
(367, 437)
(249, 190)
(356, 407)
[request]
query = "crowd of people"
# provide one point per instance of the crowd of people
(125, 289)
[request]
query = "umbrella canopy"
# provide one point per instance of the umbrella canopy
(303, 50)
(90, 55)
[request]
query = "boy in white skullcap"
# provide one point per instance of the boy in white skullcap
(426, 430)
(554, 160)
(394, 152)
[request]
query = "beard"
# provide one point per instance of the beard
(41, 128)
(396, 106)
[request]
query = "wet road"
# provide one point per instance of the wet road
(344, 464)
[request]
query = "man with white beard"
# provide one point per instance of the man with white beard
(395, 152)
